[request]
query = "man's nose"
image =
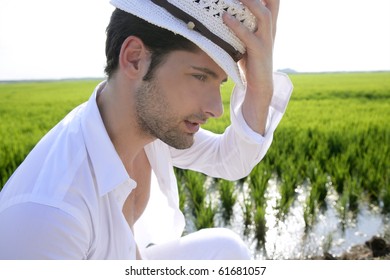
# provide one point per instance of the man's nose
(214, 106)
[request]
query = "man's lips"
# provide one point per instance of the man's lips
(192, 127)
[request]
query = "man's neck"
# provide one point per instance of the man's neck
(116, 106)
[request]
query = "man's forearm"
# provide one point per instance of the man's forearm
(256, 106)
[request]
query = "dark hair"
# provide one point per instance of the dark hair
(158, 40)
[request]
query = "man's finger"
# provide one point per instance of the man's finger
(266, 12)
(242, 32)
(273, 6)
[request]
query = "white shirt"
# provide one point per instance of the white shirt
(65, 200)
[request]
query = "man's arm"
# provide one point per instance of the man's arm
(255, 114)
(35, 231)
(257, 64)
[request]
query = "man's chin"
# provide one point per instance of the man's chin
(180, 144)
(183, 146)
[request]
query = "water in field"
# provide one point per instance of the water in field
(287, 239)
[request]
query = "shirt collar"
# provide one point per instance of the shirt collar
(109, 170)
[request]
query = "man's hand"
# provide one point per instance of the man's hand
(257, 64)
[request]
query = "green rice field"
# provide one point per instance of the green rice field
(330, 151)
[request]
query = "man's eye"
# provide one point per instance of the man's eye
(200, 77)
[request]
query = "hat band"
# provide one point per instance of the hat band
(194, 24)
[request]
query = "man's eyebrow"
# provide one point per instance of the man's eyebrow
(209, 72)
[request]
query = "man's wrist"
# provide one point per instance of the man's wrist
(256, 104)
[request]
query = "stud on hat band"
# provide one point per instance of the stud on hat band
(196, 25)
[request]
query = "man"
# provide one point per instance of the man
(100, 185)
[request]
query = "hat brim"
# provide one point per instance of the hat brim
(158, 16)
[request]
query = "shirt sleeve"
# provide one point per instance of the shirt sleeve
(42, 233)
(233, 154)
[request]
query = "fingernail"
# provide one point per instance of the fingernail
(227, 15)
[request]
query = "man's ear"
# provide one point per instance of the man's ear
(134, 58)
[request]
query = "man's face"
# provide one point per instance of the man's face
(183, 93)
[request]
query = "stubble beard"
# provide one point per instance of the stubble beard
(156, 119)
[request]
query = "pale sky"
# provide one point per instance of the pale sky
(51, 39)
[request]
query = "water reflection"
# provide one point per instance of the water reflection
(288, 238)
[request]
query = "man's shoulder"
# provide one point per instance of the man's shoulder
(52, 165)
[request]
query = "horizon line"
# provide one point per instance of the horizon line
(283, 70)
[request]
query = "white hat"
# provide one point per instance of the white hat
(200, 21)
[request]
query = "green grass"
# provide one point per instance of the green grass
(338, 101)
(335, 133)
(28, 111)
(228, 199)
